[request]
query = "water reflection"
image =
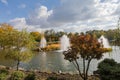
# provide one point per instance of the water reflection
(54, 61)
(50, 61)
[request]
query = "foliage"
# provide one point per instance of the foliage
(57, 78)
(17, 75)
(5, 35)
(86, 47)
(3, 74)
(112, 35)
(4, 71)
(108, 69)
(117, 36)
(36, 36)
(53, 36)
(52, 78)
(31, 76)
(10, 37)
(16, 44)
(52, 47)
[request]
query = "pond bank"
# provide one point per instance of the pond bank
(48, 75)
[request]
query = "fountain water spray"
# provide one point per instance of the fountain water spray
(64, 43)
(43, 42)
(104, 41)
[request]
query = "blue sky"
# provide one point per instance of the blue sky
(21, 8)
(61, 15)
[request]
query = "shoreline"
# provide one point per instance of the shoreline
(45, 75)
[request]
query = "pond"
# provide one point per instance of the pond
(54, 62)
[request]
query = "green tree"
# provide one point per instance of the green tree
(21, 46)
(15, 44)
(117, 35)
(50, 35)
(86, 47)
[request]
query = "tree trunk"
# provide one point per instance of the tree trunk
(18, 62)
(88, 68)
(84, 69)
(78, 68)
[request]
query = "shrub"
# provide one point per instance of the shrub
(52, 78)
(108, 69)
(3, 74)
(17, 75)
(52, 47)
(30, 76)
(5, 71)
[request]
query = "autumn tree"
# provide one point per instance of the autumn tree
(15, 44)
(87, 47)
(36, 36)
(5, 31)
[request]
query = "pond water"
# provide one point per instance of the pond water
(54, 62)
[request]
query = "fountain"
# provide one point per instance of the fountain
(43, 42)
(64, 43)
(104, 41)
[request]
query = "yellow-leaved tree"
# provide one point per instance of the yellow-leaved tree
(15, 44)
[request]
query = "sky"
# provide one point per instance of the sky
(60, 15)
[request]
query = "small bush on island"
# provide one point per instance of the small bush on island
(17, 75)
(108, 69)
(52, 47)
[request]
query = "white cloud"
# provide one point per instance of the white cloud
(39, 17)
(107, 7)
(34, 22)
(74, 16)
(20, 24)
(91, 14)
(117, 10)
(22, 6)
(4, 1)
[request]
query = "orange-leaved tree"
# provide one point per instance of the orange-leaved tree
(87, 47)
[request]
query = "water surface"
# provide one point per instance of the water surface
(54, 61)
